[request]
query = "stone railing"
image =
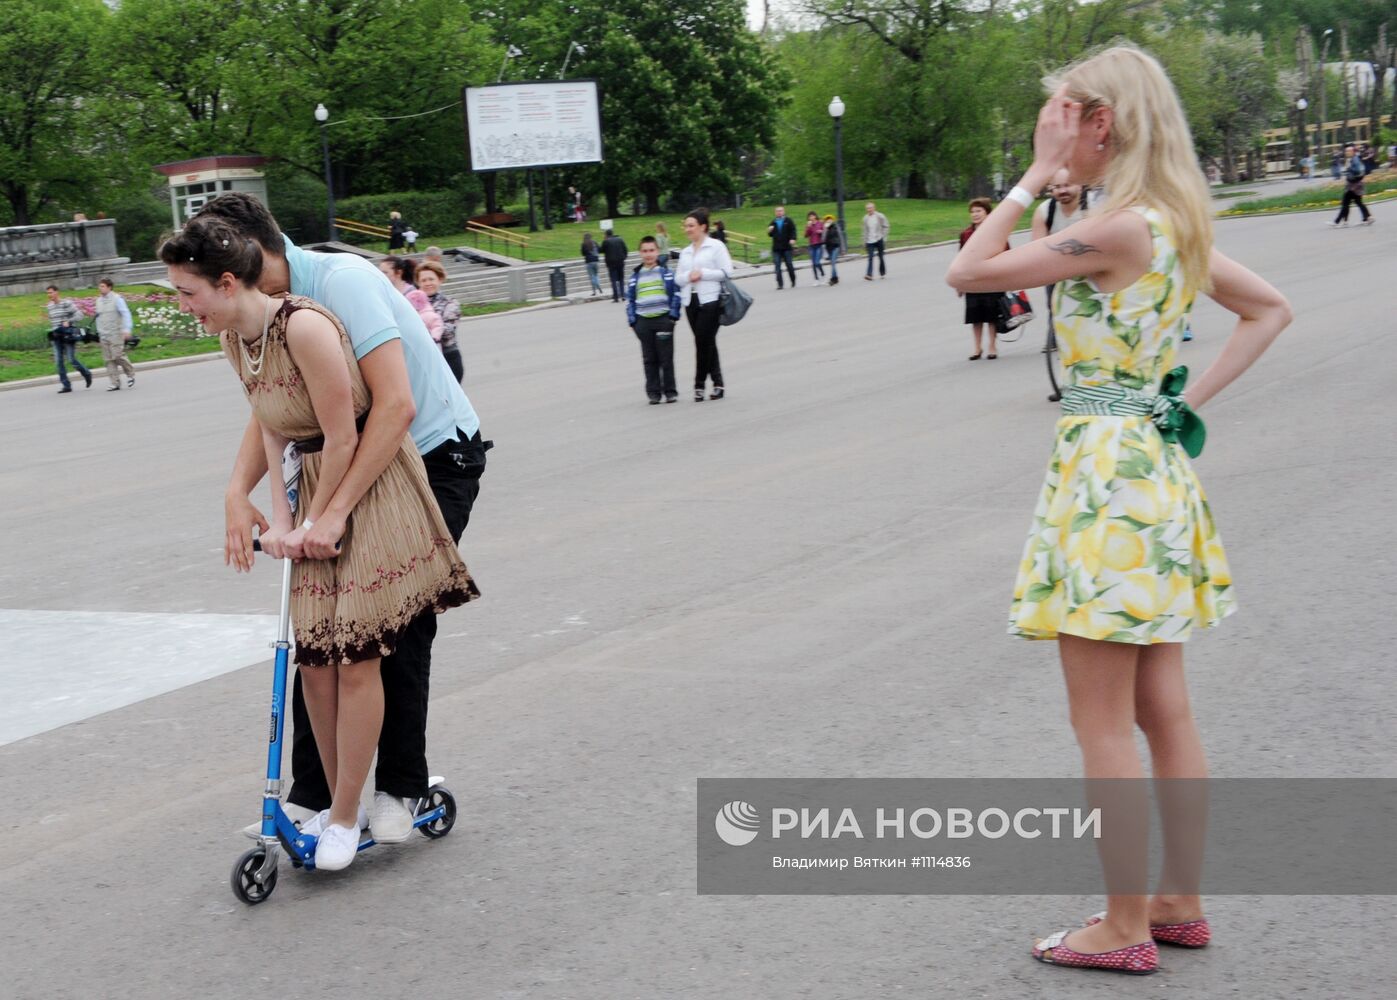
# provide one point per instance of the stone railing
(62, 242)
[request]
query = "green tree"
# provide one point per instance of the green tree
(685, 89)
(51, 69)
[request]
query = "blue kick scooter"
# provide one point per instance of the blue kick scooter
(254, 874)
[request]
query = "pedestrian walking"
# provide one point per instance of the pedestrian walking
(652, 306)
(1123, 559)
(662, 240)
(703, 265)
(815, 243)
(833, 245)
(720, 231)
(351, 597)
(397, 231)
(429, 277)
(783, 238)
(113, 327)
(591, 258)
(615, 252)
(411, 389)
(875, 237)
(64, 317)
(1353, 190)
(981, 308)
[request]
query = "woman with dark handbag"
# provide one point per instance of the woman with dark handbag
(981, 308)
(703, 265)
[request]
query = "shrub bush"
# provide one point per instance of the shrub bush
(431, 213)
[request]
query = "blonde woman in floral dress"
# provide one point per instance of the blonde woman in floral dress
(1123, 559)
(396, 557)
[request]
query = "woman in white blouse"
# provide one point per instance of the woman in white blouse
(703, 265)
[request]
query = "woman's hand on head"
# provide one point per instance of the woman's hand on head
(1059, 124)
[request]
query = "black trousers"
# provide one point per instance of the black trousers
(703, 320)
(787, 255)
(656, 338)
(1351, 198)
(453, 471)
(616, 272)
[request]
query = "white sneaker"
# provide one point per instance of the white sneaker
(391, 822)
(318, 823)
(297, 814)
(336, 848)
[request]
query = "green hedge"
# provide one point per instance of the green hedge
(425, 211)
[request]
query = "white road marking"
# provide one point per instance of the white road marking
(58, 667)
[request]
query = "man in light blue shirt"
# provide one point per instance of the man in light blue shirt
(413, 392)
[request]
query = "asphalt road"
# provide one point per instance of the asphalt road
(809, 578)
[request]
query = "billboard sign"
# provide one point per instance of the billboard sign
(510, 126)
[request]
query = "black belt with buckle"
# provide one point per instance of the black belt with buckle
(311, 445)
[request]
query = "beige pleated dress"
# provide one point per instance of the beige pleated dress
(397, 557)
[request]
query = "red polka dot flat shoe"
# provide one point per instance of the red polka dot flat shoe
(1137, 960)
(1191, 934)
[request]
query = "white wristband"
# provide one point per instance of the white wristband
(1020, 195)
(307, 524)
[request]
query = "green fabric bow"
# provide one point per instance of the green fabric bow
(1175, 420)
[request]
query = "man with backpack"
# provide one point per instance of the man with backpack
(1353, 189)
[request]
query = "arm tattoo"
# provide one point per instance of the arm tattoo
(1072, 248)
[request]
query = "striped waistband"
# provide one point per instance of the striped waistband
(1107, 401)
(1166, 408)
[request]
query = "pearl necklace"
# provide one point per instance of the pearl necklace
(255, 368)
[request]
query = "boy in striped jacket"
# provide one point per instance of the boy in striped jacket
(652, 306)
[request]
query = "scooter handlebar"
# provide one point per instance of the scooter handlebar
(257, 545)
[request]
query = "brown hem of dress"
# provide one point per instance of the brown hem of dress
(453, 593)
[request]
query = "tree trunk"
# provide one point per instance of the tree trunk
(18, 197)
(652, 197)
(1229, 161)
(492, 203)
(613, 200)
(916, 184)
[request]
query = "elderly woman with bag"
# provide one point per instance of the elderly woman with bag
(430, 276)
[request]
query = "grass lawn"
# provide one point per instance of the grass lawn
(22, 364)
(24, 353)
(1380, 187)
(912, 221)
(28, 310)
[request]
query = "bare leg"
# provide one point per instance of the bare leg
(359, 721)
(977, 328)
(1162, 710)
(1100, 680)
(321, 688)
(993, 333)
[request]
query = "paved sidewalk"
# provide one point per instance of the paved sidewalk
(808, 578)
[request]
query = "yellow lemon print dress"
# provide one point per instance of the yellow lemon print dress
(1122, 546)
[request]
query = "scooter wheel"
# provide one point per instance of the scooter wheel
(439, 795)
(244, 881)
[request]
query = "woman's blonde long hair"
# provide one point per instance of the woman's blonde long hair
(1153, 161)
